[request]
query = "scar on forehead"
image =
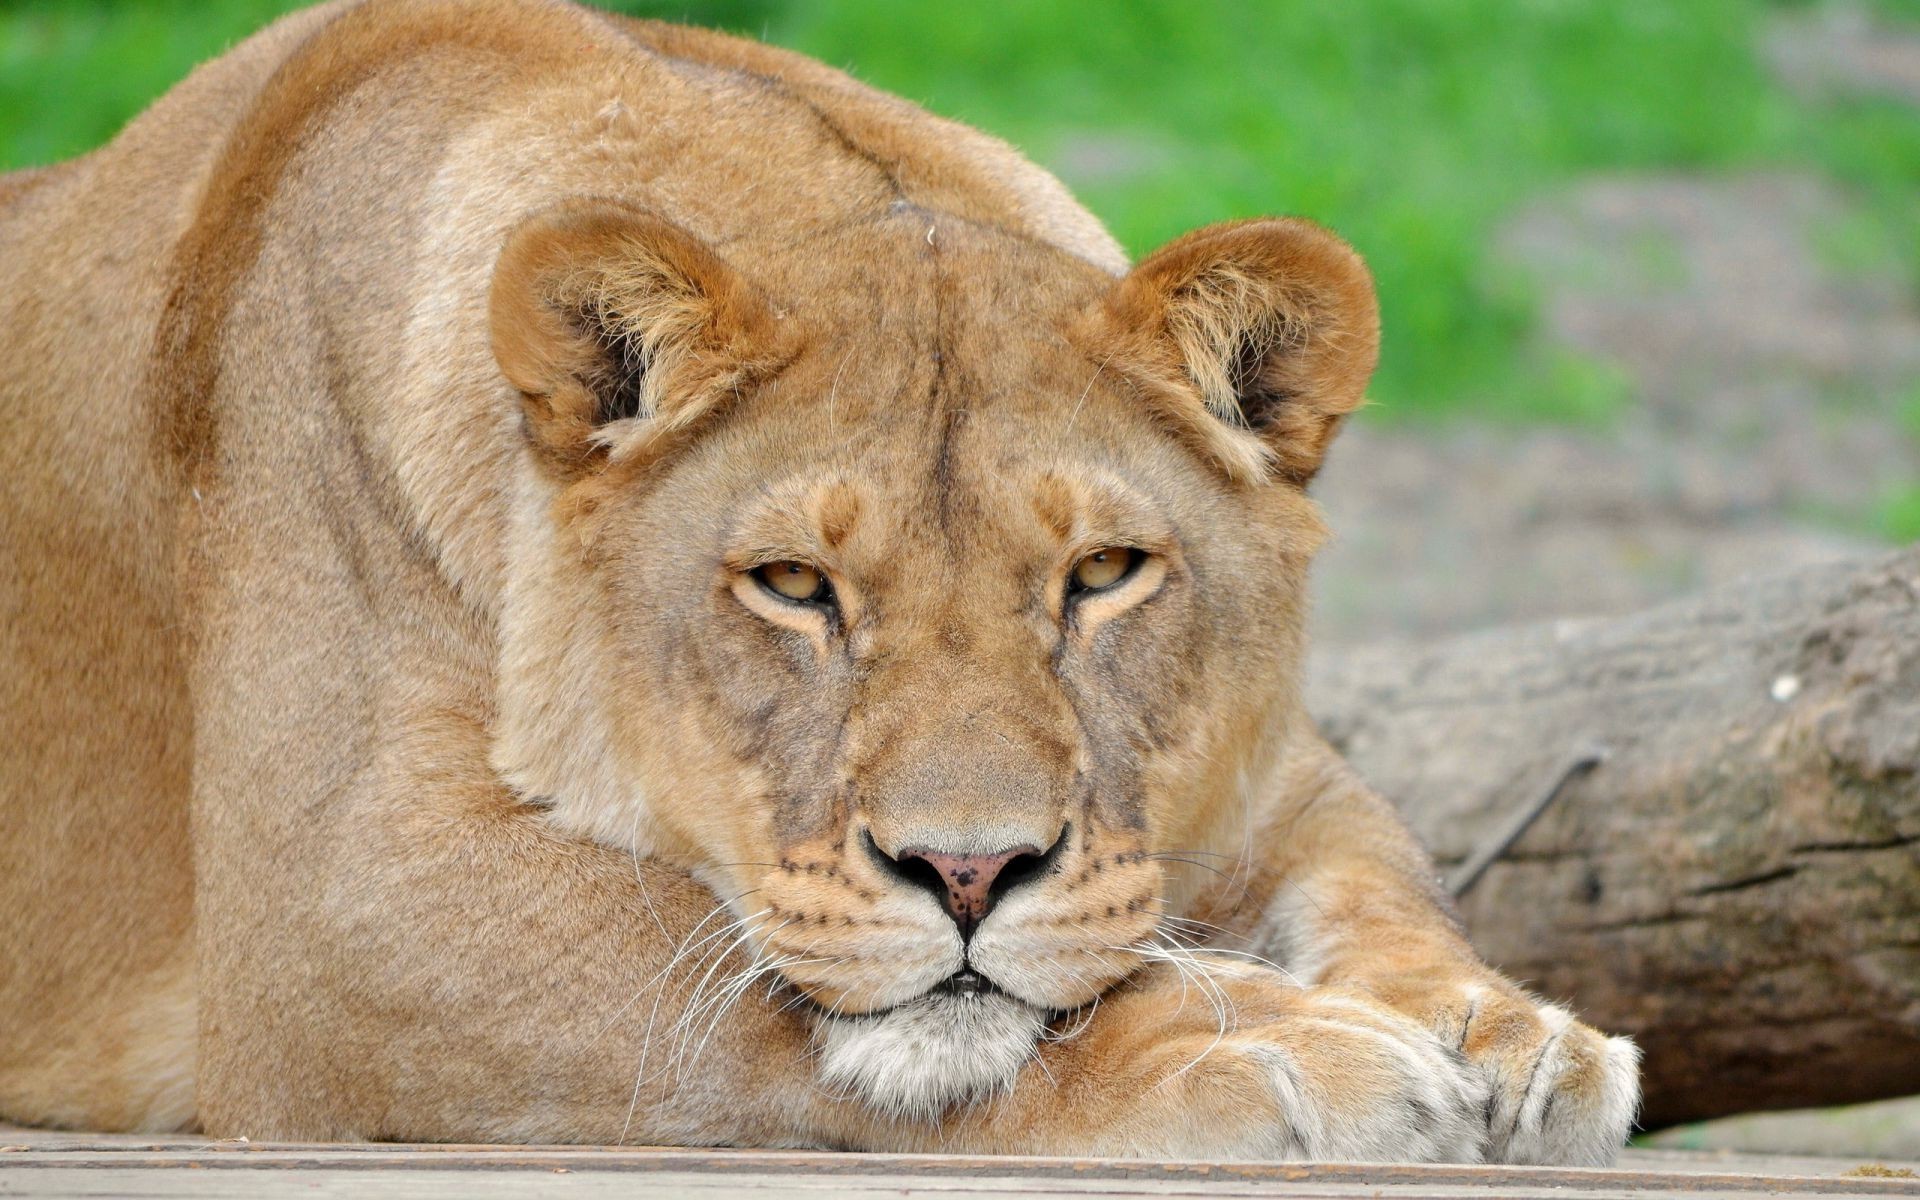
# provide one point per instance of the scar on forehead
(797, 517)
(1078, 505)
(1056, 501)
(835, 510)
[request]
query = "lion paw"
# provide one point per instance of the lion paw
(1358, 1084)
(1344, 1081)
(1561, 1093)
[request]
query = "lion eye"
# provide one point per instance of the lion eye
(795, 581)
(1104, 568)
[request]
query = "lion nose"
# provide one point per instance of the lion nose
(969, 884)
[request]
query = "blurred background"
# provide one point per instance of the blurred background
(1650, 271)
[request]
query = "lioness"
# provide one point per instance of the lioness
(573, 579)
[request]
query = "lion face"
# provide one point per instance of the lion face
(941, 615)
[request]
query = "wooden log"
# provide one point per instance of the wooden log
(1737, 883)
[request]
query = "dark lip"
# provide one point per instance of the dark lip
(966, 982)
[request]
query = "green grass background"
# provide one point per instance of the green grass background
(1412, 126)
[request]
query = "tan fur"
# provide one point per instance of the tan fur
(400, 746)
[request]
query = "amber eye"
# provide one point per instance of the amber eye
(795, 581)
(1103, 569)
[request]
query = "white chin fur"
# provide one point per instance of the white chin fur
(920, 1058)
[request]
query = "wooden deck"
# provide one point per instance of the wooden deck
(35, 1163)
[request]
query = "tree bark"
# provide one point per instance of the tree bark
(1737, 882)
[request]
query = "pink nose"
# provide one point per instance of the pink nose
(968, 880)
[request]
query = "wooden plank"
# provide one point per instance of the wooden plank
(42, 1163)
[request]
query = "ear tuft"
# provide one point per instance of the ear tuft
(620, 329)
(1270, 323)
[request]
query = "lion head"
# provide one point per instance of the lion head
(932, 595)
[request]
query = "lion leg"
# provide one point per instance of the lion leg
(1355, 903)
(442, 966)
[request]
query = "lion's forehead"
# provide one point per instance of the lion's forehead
(974, 472)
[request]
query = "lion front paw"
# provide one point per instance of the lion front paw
(1360, 1084)
(1561, 1093)
(1338, 1079)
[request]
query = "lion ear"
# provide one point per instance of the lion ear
(1271, 322)
(620, 328)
